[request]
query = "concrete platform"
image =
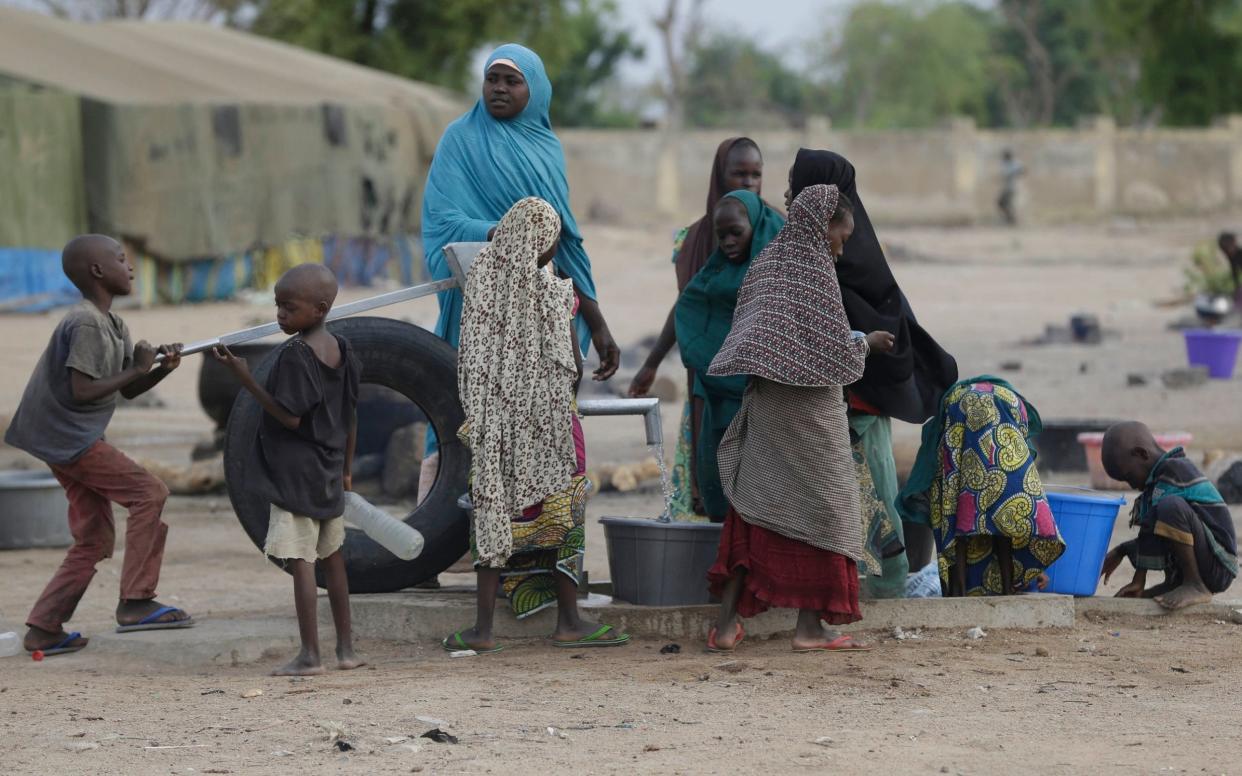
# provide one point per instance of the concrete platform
(211, 642)
(428, 616)
(432, 615)
(1229, 610)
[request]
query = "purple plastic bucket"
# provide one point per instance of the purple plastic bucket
(1216, 349)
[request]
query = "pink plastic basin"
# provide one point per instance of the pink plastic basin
(1093, 442)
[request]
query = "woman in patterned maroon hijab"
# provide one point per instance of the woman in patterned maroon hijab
(794, 535)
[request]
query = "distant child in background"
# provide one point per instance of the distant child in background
(305, 453)
(1011, 171)
(1185, 529)
(61, 420)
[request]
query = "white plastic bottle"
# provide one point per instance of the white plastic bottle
(390, 533)
(10, 644)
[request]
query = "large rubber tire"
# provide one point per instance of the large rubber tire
(423, 368)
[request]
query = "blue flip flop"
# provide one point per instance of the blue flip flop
(64, 646)
(151, 621)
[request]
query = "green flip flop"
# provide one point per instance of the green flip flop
(596, 639)
(456, 643)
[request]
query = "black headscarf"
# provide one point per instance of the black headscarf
(907, 383)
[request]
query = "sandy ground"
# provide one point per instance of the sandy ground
(1113, 696)
(1119, 696)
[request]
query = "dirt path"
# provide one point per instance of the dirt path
(1119, 696)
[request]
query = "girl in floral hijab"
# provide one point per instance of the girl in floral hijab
(518, 364)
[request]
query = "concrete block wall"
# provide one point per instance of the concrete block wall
(950, 175)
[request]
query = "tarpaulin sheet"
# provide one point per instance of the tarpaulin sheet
(201, 142)
(41, 194)
(31, 279)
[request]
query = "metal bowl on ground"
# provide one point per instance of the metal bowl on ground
(1213, 308)
(33, 511)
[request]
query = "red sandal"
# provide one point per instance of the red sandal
(839, 644)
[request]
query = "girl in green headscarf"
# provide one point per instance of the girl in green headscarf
(744, 226)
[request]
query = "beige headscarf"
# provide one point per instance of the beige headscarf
(515, 372)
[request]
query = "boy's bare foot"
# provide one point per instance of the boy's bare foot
(132, 611)
(1186, 595)
(303, 665)
(347, 660)
(37, 639)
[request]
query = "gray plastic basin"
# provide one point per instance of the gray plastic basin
(33, 511)
(660, 564)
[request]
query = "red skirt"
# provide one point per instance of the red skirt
(784, 573)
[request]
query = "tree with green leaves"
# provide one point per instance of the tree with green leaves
(736, 83)
(908, 65)
(434, 41)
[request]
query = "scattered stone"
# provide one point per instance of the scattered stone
(1011, 366)
(252, 693)
(440, 736)
(557, 733)
(1041, 652)
(732, 667)
(194, 480)
(1086, 329)
(976, 633)
(344, 746)
(1087, 648)
(463, 653)
(905, 635)
(393, 740)
(437, 722)
(1185, 377)
(282, 753)
(670, 649)
(1136, 380)
(335, 730)
(651, 748)
(81, 746)
(824, 741)
(403, 460)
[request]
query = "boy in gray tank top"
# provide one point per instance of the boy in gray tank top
(61, 420)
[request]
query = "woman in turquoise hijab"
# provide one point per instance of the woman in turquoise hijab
(744, 226)
(498, 153)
